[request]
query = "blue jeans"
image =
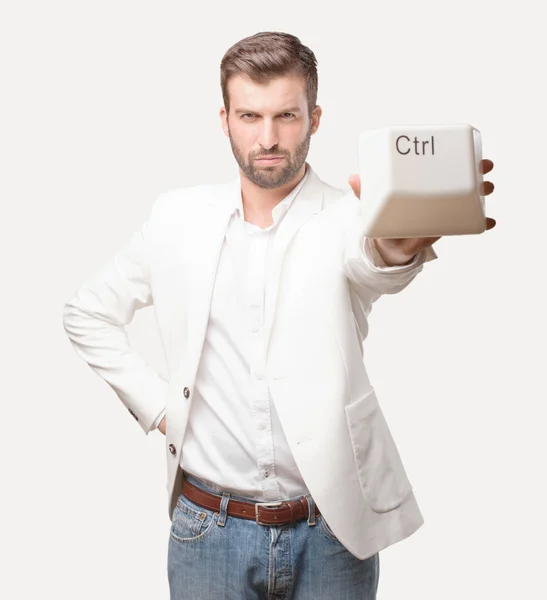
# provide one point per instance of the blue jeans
(213, 556)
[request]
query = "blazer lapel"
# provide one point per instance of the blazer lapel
(308, 202)
(207, 240)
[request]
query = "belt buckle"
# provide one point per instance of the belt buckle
(265, 504)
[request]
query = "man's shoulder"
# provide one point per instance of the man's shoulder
(333, 193)
(334, 196)
(180, 200)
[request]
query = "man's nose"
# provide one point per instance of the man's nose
(268, 135)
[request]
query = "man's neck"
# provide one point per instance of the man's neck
(258, 202)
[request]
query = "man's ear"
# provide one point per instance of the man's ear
(315, 118)
(224, 121)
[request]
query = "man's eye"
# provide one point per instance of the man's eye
(248, 116)
(287, 115)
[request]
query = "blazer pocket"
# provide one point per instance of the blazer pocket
(381, 473)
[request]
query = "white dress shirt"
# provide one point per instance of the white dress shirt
(234, 440)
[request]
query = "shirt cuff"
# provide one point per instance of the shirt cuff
(158, 419)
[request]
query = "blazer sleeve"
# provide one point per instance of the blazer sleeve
(364, 268)
(95, 319)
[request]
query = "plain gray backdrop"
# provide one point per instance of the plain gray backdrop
(105, 105)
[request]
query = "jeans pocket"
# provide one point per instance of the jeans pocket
(190, 522)
(327, 531)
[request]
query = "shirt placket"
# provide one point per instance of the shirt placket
(256, 285)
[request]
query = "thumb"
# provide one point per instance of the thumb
(355, 183)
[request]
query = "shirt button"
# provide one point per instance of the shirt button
(259, 374)
(186, 392)
(266, 473)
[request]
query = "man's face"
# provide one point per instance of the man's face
(269, 128)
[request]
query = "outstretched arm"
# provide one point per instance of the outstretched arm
(386, 266)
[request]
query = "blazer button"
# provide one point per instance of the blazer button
(186, 393)
(172, 449)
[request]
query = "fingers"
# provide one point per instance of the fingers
(490, 223)
(487, 187)
(355, 183)
(486, 166)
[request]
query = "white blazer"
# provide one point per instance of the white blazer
(324, 286)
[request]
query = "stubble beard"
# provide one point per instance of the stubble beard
(274, 176)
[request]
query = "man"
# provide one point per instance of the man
(283, 478)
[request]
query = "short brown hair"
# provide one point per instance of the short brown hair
(267, 55)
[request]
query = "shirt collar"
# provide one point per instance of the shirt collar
(282, 207)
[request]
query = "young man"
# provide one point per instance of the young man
(283, 478)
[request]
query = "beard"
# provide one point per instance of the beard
(274, 176)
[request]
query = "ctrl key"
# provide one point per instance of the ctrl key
(421, 181)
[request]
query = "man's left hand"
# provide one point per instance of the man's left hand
(402, 250)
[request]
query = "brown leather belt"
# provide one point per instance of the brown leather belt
(264, 513)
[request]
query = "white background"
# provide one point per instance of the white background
(104, 105)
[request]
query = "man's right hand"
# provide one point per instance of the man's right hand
(162, 425)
